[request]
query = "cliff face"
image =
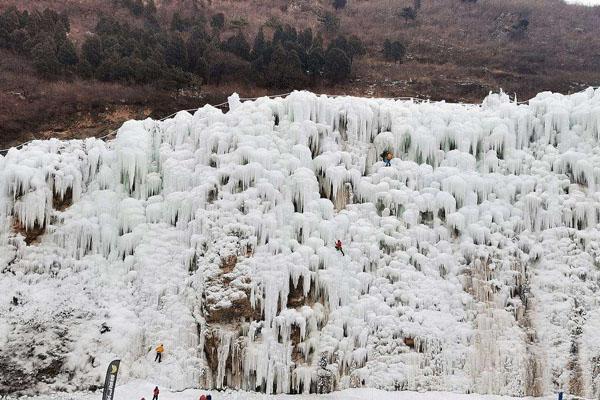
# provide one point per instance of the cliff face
(469, 265)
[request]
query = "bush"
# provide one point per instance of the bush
(218, 21)
(339, 4)
(408, 13)
(393, 50)
(519, 29)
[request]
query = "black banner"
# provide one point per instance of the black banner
(111, 380)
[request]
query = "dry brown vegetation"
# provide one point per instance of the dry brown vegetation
(457, 51)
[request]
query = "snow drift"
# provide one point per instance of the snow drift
(471, 264)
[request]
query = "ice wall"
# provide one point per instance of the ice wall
(470, 264)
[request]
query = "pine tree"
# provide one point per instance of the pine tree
(44, 57)
(217, 21)
(66, 53)
(305, 38)
(337, 65)
(357, 47)
(150, 7)
(387, 49)
(178, 23)
(238, 45)
(176, 53)
(284, 70)
(339, 4)
(393, 50)
(92, 51)
(330, 22)
(315, 63)
(137, 7)
(408, 13)
(259, 45)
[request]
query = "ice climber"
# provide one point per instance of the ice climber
(155, 392)
(208, 397)
(203, 397)
(159, 351)
(387, 156)
(338, 247)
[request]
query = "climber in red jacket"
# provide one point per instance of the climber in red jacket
(338, 247)
(155, 392)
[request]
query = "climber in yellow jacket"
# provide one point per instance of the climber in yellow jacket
(159, 351)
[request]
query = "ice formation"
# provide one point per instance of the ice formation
(471, 264)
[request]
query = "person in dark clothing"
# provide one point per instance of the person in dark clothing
(338, 247)
(208, 397)
(156, 392)
(387, 156)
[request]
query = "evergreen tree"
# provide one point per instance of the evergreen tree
(259, 45)
(387, 49)
(178, 23)
(337, 65)
(44, 57)
(237, 45)
(356, 46)
(519, 29)
(197, 46)
(315, 64)
(137, 7)
(330, 22)
(217, 21)
(305, 38)
(393, 50)
(150, 7)
(66, 53)
(20, 41)
(92, 51)
(176, 53)
(278, 36)
(408, 13)
(285, 69)
(339, 4)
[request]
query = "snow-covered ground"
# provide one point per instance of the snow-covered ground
(137, 389)
(471, 264)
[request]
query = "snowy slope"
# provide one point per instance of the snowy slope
(471, 264)
(137, 389)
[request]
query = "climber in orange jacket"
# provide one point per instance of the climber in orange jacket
(338, 247)
(159, 351)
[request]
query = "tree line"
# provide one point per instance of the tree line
(188, 52)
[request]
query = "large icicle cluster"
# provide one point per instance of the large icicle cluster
(471, 264)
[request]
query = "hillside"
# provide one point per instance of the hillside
(455, 50)
(469, 265)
